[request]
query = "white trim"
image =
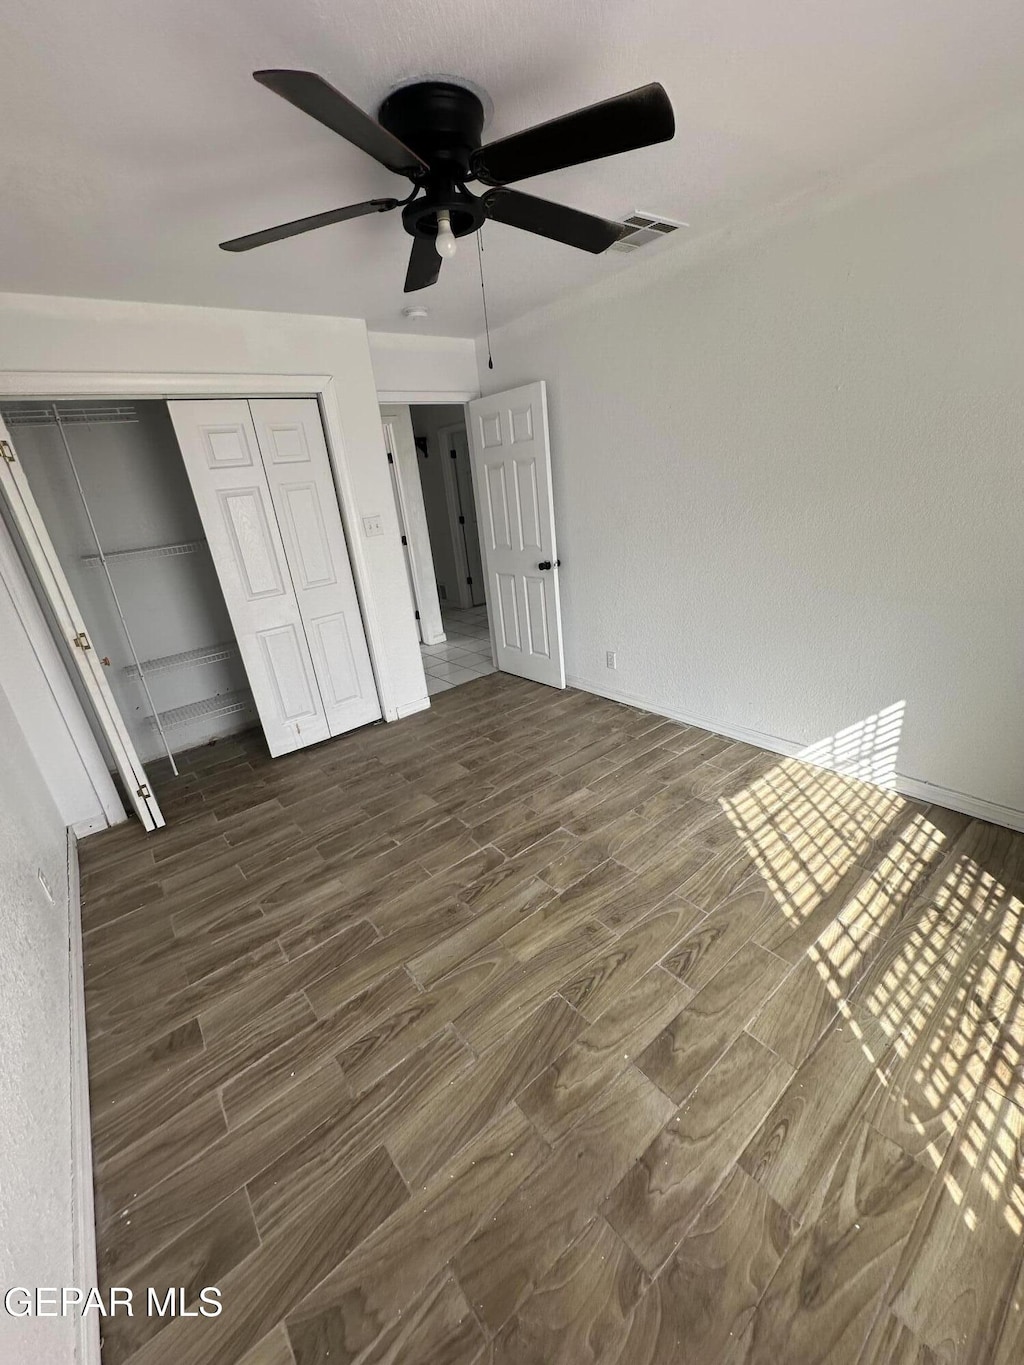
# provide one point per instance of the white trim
(427, 397)
(81, 829)
(410, 708)
(83, 1212)
(976, 806)
(133, 384)
(109, 807)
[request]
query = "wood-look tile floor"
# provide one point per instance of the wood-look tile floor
(537, 1029)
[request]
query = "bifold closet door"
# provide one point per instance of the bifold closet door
(68, 617)
(277, 543)
(291, 440)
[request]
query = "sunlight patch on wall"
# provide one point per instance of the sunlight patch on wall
(867, 749)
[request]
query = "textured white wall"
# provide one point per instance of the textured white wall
(38, 332)
(35, 1050)
(788, 476)
(422, 368)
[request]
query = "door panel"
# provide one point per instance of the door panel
(40, 549)
(511, 461)
(298, 469)
(222, 458)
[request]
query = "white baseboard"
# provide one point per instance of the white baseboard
(976, 806)
(410, 708)
(93, 825)
(83, 1213)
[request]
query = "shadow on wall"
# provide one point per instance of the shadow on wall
(912, 920)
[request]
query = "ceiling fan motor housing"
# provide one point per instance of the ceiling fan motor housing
(443, 123)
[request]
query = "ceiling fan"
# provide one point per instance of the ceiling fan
(430, 132)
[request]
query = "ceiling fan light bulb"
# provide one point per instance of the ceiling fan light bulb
(445, 239)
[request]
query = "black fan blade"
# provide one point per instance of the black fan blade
(315, 220)
(424, 264)
(313, 95)
(561, 224)
(621, 124)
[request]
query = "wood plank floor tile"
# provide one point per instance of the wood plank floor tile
(823, 1299)
(281, 1271)
(798, 1142)
(423, 1139)
(704, 1297)
(503, 1263)
(165, 1088)
(660, 1196)
(581, 1310)
(628, 958)
(349, 1128)
(201, 1256)
(169, 1208)
(273, 1349)
(250, 1088)
(530, 897)
(689, 1046)
(953, 1287)
(891, 1342)
(708, 947)
(353, 1308)
(562, 1093)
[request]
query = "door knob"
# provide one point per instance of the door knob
(546, 564)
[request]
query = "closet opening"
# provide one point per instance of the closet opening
(202, 547)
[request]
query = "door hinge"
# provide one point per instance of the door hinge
(391, 458)
(6, 452)
(405, 540)
(462, 521)
(454, 454)
(81, 640)
(469, 580)
(417, 615)
(144, 792)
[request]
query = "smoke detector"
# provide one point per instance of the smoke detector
(415, 313)
(642, 228)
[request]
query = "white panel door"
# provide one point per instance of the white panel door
(511, 455)
(291, 439)
(222, 457)
(40, 549)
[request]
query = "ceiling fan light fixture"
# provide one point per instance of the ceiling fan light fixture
(431, 132)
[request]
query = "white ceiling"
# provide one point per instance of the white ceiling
(133, 138)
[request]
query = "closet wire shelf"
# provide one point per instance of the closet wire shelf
(226, 704)
(189, 658)
(183, 547)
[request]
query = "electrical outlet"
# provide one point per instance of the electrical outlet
(611, 659)
(44, 884)
(373, 526)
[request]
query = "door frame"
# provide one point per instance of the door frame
(451, 494)
(67, 384)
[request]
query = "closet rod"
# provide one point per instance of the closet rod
(113, 590)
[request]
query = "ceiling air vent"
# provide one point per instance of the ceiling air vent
(642, 228)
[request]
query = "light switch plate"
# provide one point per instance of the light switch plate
(373, 526)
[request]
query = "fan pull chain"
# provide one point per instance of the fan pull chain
(483, 294)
